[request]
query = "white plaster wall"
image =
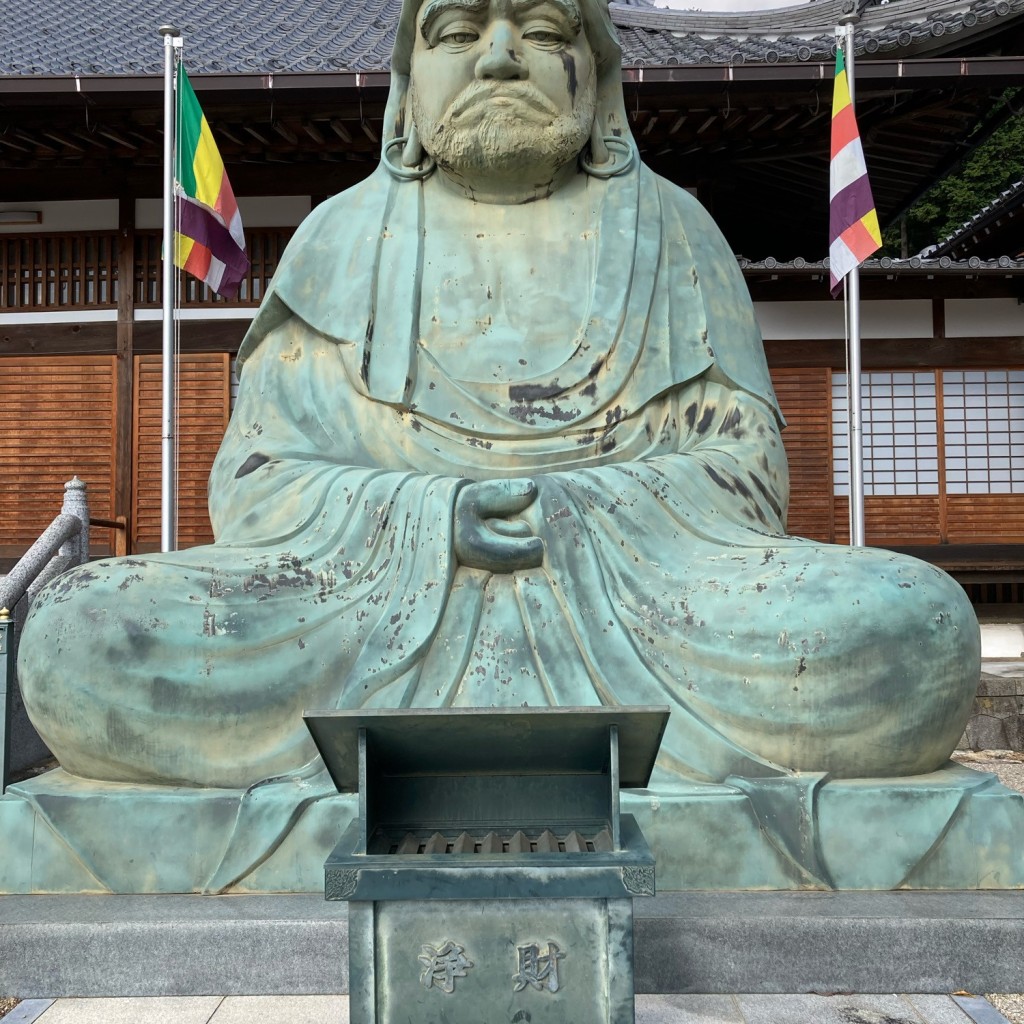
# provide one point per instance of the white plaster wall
(983, 318)
(257, 211)
(82, 215)
(880, 318)
(101, 214)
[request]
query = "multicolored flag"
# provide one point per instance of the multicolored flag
(853, 223)
(208, 241)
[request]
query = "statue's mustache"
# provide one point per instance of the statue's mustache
(484, 93)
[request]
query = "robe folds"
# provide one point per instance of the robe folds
(661, 495)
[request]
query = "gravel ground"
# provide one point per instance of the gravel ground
(1011, 1007)
(1007, 765)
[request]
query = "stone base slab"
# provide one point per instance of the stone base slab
(54, 946)
(955, 829)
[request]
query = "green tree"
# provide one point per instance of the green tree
(991, 168)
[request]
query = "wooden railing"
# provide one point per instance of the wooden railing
(68, 271)
(263, 246)
(78, 271)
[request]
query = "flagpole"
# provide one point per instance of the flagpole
(853, 391)
(168, 489)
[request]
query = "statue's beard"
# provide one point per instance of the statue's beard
(496, 128)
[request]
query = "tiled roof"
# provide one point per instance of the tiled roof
(805, 32)
(916, 266)
(119, 37)
(973, 233)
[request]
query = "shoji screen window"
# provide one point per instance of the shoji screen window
(983, 414)
(899, 429)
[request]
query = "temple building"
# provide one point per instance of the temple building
(735, 107)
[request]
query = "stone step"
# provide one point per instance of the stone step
(768, 942)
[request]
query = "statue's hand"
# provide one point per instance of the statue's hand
(485, 538)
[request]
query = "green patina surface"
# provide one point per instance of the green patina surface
(505, 436)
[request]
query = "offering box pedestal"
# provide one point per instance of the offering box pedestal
(489, 871)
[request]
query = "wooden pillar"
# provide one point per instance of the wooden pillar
(123, 453)
(938, 316)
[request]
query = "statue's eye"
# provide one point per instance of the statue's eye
(459, 37)
(545, 38)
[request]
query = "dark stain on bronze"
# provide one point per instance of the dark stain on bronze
(731, 421)
(251, 464)
(533, 392)
(766, 494)
(569, 63)
(721, 481)
(705, 420)
(690, 415)
(528, 414)
(364, 369)
(741, 487)
(139, 640)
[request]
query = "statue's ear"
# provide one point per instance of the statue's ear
(412, 151)
(598, 149)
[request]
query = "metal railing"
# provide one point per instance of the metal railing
(61, 546)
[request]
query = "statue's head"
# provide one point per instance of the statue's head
(498, 89)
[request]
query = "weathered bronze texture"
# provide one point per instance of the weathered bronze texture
(505, 436)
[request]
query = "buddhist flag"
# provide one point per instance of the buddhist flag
(853, 223)
(208, 240)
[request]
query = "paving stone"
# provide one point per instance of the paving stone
(855, 1009)
(691, 1009)
(938, 1009)
(980, 1010)
(168, 1010)
(28, 1011)
(282, 1010)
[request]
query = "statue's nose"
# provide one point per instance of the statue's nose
(501, 59)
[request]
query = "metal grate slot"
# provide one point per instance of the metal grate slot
(518, 842)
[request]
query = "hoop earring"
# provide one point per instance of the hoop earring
(612, 169)
(398, 170)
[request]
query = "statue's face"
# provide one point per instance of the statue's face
(502, 86)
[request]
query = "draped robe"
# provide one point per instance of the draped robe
(667, 576)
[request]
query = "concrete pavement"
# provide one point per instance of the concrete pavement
(650, 1009)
